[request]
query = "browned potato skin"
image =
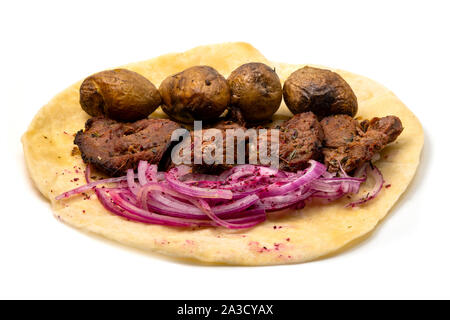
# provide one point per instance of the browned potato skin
(120, 94)
(318, 90)
(197, 93)
(256, 91)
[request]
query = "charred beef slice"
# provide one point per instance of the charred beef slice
(227, 124)
(339, 130)
(300, 141)
(215, 168)
(350, 143)
(113, 147)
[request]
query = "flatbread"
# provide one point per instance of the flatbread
(286, 237)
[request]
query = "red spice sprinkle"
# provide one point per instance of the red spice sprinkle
(84, 211)
(288, 239)
(263, 249)
(86, 196)
(388, 186)
(76, 179)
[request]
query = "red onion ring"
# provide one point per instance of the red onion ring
(238, 198)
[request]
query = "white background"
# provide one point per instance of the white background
(46, 46)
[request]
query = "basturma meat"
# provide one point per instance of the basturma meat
(339, 141)
(348, 143)
(300, 141)
(113, 147)
(208, 146)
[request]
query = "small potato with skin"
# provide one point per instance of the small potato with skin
(256, 91)
(197, 93)
(120, 94)
(320, 91)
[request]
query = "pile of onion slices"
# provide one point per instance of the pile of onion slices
(238, 198)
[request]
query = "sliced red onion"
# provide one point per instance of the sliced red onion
(361, 172)
(342, 179)
(154, 217)
(239, 198)
(181, 187)
(328, 195)
(142, 172)
(315, 170)
(285, 201)
(163, 203)
(88, 187)
(205, 184)
(152, 173)
(132, 185)
(243, 184)
(151, 217)
(379, 181)
(323, 186)
(328, 175)
(199, 177)
(246, 170)
(161, 188)
(107, 202)
(224, 223)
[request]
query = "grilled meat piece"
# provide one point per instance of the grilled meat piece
(300, 141)
(349, 144)
(113, 147)
(339, 130)
(386, 128)
(226, 124)
(223, 127)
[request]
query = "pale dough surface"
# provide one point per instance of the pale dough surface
(291, 237)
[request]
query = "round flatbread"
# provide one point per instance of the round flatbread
(286, 237)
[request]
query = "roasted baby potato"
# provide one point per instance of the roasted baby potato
(256, 91)
(120, 94)
(197, 93)
(318, 90)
